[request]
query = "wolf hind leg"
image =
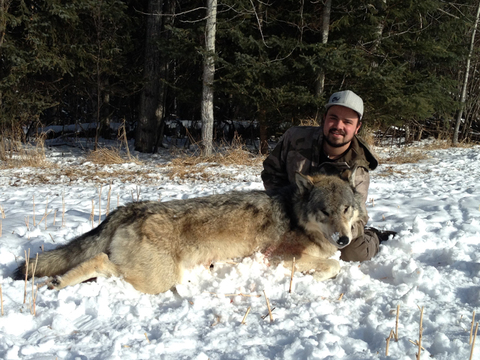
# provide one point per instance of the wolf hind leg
(97, 266)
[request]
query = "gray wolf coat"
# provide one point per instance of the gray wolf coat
(150, 243)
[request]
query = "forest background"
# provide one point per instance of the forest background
(415, 64)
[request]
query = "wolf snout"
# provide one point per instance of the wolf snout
(343, 241)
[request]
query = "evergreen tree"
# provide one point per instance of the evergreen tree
(84, 60)
(68, 57)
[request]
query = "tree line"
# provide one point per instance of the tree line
(415, 63)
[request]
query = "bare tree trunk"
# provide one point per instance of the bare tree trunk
(152, 100)
(4, 5)
(99, 104)
(168, 21)
(382, 4)
(262, 117)
(320, 80)
(97, 17)
(463, 95)
(208, 76)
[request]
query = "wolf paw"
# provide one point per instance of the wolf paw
(54, 283)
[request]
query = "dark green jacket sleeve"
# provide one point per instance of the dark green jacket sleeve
(274, 172)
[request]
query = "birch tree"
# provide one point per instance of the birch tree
(320, 81)
(463, 96)
(208, 76)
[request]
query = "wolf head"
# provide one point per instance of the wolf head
(328, 206)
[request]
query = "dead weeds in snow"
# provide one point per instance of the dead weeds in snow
(406, 156)
(110, 156)
(198, 166)
(419, 151)
(16, 152)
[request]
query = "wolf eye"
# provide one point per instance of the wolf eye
(325, 213)
(346, 209)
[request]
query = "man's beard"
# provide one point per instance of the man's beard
(335, 144)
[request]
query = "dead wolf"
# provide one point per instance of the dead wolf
(150, 243)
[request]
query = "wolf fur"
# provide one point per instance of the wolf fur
(150, 243)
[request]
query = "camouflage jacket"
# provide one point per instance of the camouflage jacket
(300, 149)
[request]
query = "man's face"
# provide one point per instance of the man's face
(340, 125)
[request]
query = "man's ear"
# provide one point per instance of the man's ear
(303, 182)
(358, 127)
(323, 117)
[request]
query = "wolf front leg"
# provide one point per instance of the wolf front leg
(99, 265)
(324, 268)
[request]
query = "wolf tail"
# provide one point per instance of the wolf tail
(66, 257)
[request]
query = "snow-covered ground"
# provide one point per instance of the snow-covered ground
(433, 263)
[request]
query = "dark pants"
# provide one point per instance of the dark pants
(362, 248)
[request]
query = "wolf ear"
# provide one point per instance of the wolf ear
(349, 175)
(303, 182)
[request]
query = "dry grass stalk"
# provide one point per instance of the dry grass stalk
(100, 205)
(108, 200)
(390, 337)
(122, 134)
(291, 276)
(309, 121)
(54, 216)
(16, 152)
(46, 213)
(416, 343)
(34, 224)
(265, 316)
(146, 337)
(420, 334)
(44, 217)
(112, 155)
(105, 156)
(471, 328)
(1, 299)
(34, 295)
(396, 323)
(137, 191)
(92, 215)
(34, 300)
(473, 343)
(2, 212)
(51, 237)
(63, 209)
(218, 318)
(268, 306)
(367, 133)
(34, 270)
(407, 156)
(195, 165)
(27, 260)
(245, 316)
(340, 297)
(240, 294)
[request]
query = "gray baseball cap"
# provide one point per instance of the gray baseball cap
(348, 99)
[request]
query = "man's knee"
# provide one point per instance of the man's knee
(363, 248)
